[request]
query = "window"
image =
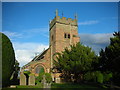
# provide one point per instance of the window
(39, 69)
(68, 35)
(65, 35)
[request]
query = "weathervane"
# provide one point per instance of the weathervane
(76, 16)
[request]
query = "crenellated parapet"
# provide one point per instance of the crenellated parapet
(63, 20)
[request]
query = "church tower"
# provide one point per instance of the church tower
(63, 33)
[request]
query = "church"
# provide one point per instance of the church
(63, 32)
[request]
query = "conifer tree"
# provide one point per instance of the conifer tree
(75, 61)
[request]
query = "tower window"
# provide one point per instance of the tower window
(65, 35)
(68, 35)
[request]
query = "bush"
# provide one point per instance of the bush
(88, 76)
(48, 77)
(107, 77)
(97, 76)
(100, 78)
(40, 78)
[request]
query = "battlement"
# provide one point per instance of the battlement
(63, 20)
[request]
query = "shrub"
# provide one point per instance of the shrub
(40, 78)
(99, 77)
(48, 77)
(87, 76)
(107, 77)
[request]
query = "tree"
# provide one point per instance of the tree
(8, 60)
(110, 57)
(75, 61)
(15, 80)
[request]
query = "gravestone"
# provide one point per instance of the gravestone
(22, 79)
(31, 80)
(57, 80)
(44, 81)
(45, 84)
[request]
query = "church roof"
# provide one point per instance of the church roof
(40, 55)
(37, 58)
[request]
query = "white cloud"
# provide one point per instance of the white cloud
(96, 41)
(12, 34)
(27, 33)
(88, 22)
(25, 52)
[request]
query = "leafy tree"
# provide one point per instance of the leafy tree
(8, 60)
(75, 61)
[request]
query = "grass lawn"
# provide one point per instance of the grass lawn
(65, 86)
(22, 86)
(73, 86)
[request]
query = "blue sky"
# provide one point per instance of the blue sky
(27, 24)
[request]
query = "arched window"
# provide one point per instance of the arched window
(39, 69)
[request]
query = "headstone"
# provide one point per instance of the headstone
(31, 80)
(57, 80)
(22, 79)
(44, 81)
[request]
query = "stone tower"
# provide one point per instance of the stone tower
(63, 33)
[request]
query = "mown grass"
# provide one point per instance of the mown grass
(72, 85)
(58, 86)
(29, 86)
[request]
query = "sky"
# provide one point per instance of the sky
(27, 24)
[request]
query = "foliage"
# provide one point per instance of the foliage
(8, 60)
(40, 78)
(39, 84)
(27, 72)
(42, 70)
(89, 76)
(107, 77)
(48, 77)
(110, 57)
(99, 77)
(15, 80)
(77, 61)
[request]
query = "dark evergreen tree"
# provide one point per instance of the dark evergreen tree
(15, 80)
(75, 61)
(110, 57)
(8, 60)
